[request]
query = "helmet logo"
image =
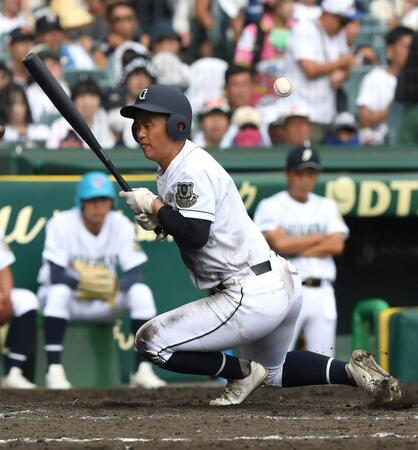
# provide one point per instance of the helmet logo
(306, 155)
(143, 94)
(98, 182)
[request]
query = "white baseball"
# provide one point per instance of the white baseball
(283, 87)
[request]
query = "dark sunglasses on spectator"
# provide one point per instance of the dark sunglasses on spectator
(116, 19)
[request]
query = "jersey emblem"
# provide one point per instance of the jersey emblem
(185, 197)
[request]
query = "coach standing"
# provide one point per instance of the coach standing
(318, 61)
(309, 230)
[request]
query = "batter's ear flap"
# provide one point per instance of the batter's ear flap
(135, 131)
(178, 126)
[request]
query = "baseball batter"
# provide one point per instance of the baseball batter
(309, 230)
(255, 295)
(83, 247)
(18, 307)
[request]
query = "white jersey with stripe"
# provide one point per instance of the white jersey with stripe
(317, 215)
(198, 187)
(68, 240)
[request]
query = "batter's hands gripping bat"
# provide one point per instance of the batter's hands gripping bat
(66, 107)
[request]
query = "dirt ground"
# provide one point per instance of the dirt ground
(329, 417)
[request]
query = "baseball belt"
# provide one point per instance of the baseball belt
(257, 269)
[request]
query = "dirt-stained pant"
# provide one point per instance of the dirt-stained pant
(256, 314)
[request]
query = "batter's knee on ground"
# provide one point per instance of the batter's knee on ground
(23, 301)
(146, 342)
(141, 302)
(57, 302)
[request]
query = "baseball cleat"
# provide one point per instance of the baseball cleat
(237, 391)
(15, 380)
(56, 378)
(368, 375)
(146, 378)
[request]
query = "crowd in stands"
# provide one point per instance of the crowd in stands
(353, 66)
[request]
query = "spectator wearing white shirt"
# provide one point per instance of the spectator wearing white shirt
(50, 32)
(306, 10)
(40, 104)
(377, 89)
(87, 98)
(318, 61)
(13, 16)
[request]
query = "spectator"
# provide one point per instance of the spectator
(318, 61)
(87, 98)
(39, 103)
(394, 12)
(246, 129)
(238, 87)
(214, 121)
(344, 131)
(123, 55)
(262, 46)
(377, 89)
(306, 10)
(15, 113)
(407, 97)
(410, 19)
(165, 46)
(71, 14)
(5, 76)
(137, 75)
(296, 126)
(21, 40)
(14, 14)
(366, 55)
(98, 29)
(50, 33)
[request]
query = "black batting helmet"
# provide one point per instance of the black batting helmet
(162, 99)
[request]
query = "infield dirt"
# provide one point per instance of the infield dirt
(326, 417)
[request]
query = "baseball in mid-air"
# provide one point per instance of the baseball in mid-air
(283, 87)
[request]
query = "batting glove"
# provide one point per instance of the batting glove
(146, 221)
(139, 200)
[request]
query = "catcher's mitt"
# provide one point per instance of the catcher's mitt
(95, 282)
(6, 309)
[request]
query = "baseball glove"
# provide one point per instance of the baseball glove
(95, 282)
(6, 309)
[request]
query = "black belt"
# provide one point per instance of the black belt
(312, 282)
(258, 269)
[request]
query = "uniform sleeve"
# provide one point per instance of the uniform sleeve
(6, 255)
(366, 90)
(336, 223)
(265, 217)
(130, 253)
(304, 42)
(56, 243)
(195, 195)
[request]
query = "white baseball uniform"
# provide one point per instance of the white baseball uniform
(23, 300)
(318, 316)
(255, 313)
(67, 241)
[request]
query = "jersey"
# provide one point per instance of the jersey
(198, 187)
(68, 240)
(317, 215)
(6, 255)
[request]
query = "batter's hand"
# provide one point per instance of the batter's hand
(146, 221)
(139, 200)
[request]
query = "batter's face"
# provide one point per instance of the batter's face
(301, 183)
(95, 211)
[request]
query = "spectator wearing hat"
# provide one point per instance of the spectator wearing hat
(20, 41)
(165, 46)
(137, 75)
(50, 32)
(15, 113)
(15, 14)
(214, 121)
(319, 60)
(344, 131)
(39, 103)
(377, 88)
(246, 129)
(87, 98)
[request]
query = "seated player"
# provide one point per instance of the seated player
(78, 278)
(18, 307)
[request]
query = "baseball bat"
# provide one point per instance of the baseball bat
(66, 107)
